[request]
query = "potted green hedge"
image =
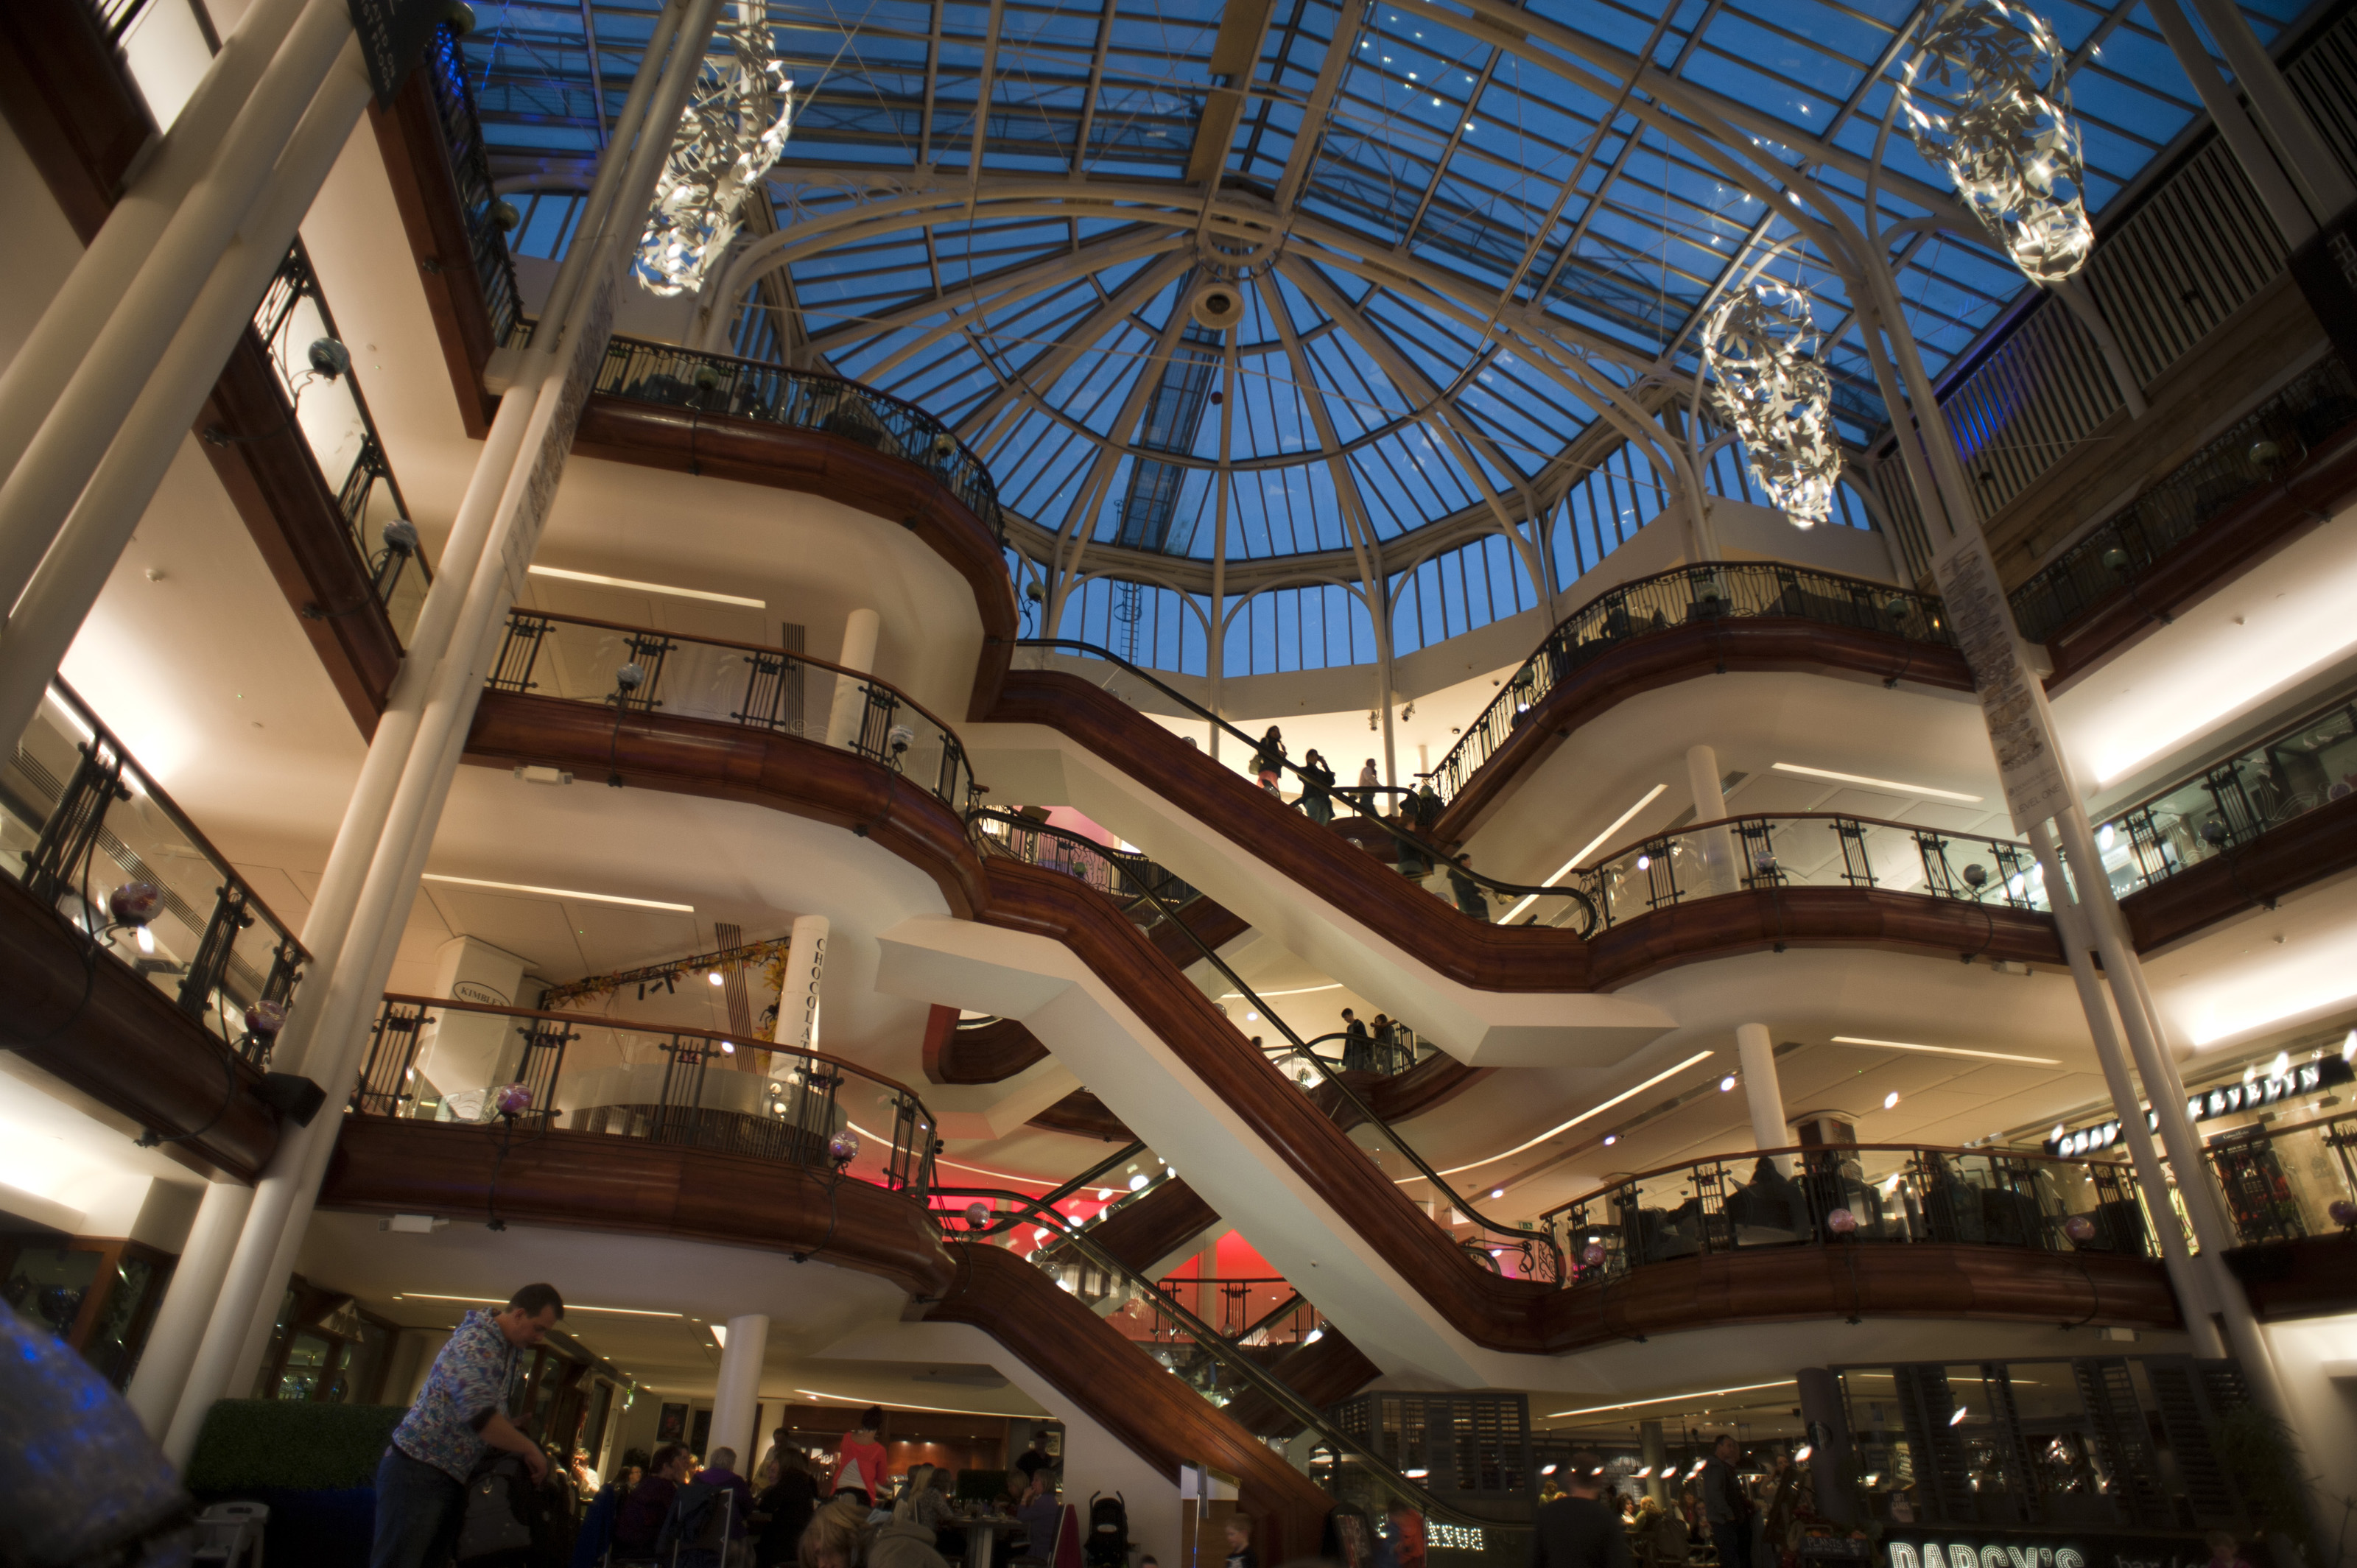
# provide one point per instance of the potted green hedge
(313, 1465)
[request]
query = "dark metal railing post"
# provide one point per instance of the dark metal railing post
(648, 651)
(73, 829)
(383, 1082)
(214, 950)
(1856, 869)
(519, 652)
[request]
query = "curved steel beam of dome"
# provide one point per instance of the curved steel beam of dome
(1365, 549)
(1035, 376)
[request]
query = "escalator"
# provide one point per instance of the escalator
(1124, 1364)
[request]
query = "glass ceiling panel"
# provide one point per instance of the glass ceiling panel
(1424, 189)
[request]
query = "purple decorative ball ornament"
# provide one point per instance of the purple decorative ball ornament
(2079, 1230)
(265, 1019)
(2344, 1213)
(842, 1148)
(977, 1215)
(513, 1100)
(1841, 1222)
(135, 903)
(1592, 1256)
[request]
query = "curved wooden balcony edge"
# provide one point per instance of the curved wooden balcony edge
(978, 1053)
(133, 1059)
(1131, 1395)
(1763, 644)
(1809, 1281)
(2305, 850)
(596, 1182)
(2311, 1276)
(2213, 558)
(1081, 1114)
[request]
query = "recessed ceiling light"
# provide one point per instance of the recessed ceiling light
(1876, 783)
(1946, 1051)
(1592, 1110)
(559, 893)
(597, 580)
(1668, 1399)
(1890, 1100)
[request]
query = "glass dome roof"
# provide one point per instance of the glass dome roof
(1451, 230)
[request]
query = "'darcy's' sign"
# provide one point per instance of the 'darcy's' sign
(1933, 1547)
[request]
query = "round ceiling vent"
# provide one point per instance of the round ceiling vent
(1216, 305)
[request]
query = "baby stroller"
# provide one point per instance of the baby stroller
(1108, 1542)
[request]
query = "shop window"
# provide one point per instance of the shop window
(98, 1294)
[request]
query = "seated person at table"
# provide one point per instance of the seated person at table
(837, 1535)
(640, 1521)
(1040, 1515)
(784, 1509)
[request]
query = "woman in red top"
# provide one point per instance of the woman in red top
(859, 1463)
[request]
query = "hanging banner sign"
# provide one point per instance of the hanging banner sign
(392, 35)
(2013, 704)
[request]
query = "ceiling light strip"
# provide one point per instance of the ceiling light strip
(1876, 783)
(1585, 851)
(596, 580)
(1672, 1399)
(1947, 1052)
(570, 1307)
(1597, 1110)
(932, 1408)
(559, 893)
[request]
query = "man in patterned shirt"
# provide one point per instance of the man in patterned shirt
(421, 1482)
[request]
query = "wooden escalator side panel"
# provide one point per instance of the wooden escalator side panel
(1323, 1373)
(1130, 1394)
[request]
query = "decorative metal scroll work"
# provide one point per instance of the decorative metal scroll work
(1757, 354)
(1985, 99)
(730, 133)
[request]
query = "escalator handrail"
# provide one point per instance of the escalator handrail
(1215, 1344)
(1429, 852)
(1525, 1240)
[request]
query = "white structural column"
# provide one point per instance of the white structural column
(187, 1304)
(797, 1026)
(736, 1399)
(850, 709)
(380, 851)
(1718, 872)
(1755, 1053)
(102, 508)
(78, 427)
(2193, 1289)
(33, 380)
(2310, 163)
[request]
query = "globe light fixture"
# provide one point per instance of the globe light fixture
(1985, 98)
(1758, 353)
(731, 131)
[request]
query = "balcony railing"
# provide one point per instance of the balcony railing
(638, 670)
(1845, 1195)
(1386, 1052)
(2284, 1183)
(1811, 850)
(2306, 764)
(81, 822)
(432, 1058)
(1711, 592)
(2259, 450)
(486, 217)
(1126, 877)
(802, 400)
(334, 419)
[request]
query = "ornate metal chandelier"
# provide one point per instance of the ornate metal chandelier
(1758, 355)
(1985, 99)
(732, 130)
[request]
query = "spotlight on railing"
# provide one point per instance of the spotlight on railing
(400, 536)
(329, 358)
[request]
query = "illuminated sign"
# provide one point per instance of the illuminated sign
(1934, 1547)
(2307, 1078)
(1454, 1537)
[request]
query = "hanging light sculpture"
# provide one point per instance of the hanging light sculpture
(731, 131)
(1985, 99)
(1758, 353)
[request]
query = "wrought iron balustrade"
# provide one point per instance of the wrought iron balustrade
(1386, 1051)
(80, 819)
(1811, 850)
(486, 216)
(641, 669)
(1688, 595)
(2284, 1182)
(1853, 1194)
(332, 416)
(1126, 877)
(802, 400)
(440, 1060)
(2214, 814)
(2258, 453)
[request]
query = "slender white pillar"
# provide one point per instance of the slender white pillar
(33, 380)
(737, 1400)
(1702, 775)
(140, 443)
(2192, 1286)
(164, 1365)
(2306, 157)
(797, 1026)
(1755, 1053)
(63, 453)
(372, 876)
(1718, 871)
(850, 709)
